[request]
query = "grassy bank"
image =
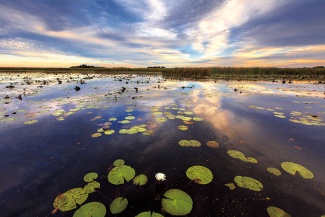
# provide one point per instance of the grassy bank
(238, 73)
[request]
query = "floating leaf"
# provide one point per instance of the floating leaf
(161, 119)
(248, 182)
(177, 202)
(112, 119)
(119, 162)
(68, 200)
(31, 122)
(197, 119)
(191, 143)
(274, 171)
(109, 132)
(90, 177)
(92, 209)
(292, 168)
(199, 174)
(149, 214)
(129, 118)
(140, 179)
(182, 127)
(90, 187)
(231, 186)
(118, 174)
(95, 135)
(241, 156)
(118, 205)
(276, 212)
(213, 144)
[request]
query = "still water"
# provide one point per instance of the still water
(53, 135)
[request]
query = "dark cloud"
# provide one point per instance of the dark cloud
(296, 24)
(187, 13)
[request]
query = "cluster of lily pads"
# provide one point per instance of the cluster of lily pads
(305, 118)
(175, 201)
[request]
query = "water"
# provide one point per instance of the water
(270, 122)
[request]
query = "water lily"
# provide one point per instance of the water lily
(160, 176)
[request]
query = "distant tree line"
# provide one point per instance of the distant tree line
(86, 66)
(156, 67)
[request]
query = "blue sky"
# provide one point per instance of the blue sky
(171, 33)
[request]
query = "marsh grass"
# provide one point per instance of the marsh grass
(231, 73)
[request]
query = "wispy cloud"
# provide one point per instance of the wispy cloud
(174, 33)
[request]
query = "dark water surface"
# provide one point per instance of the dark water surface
(42, 160)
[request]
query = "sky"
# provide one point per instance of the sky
(170, 33)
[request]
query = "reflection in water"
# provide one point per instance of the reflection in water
(46, 158)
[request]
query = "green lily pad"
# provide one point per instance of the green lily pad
(149, 214)
(95, 135)
(109, 132)
(197, 119)
(118, 174)
(119, 162)
(68, 200)
(292, 168)
(241, 156)
(118, 205)
(140, 179)
(90, 177)
(189, 143)
(31, 122)
(129, 118)
(199, 174)
(182, 127)
(276, 212)
(112, 119)
(249, 183)
(177, 202)
(231, 186)
(90, 187)
(274, 171)
(92, 209)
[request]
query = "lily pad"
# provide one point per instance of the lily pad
(241, 156)
(92, 209)
(90, 187)
(274, 171)
(197, 119)
(189, 143)
(292, 168)
(140, 179)
(177, 202)
(249, 183)
(95, 135)
(109, 132)
(118, 205)
(149, 214)
(90, 177)
(277, 212)
(199, 174)
(112, 119)
(118, 174)
(119, 162)
(231, 186)
(213, 144)
(68, 200)
(182, 127)
(31, 122)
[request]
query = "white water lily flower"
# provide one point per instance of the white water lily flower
(160, 176)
